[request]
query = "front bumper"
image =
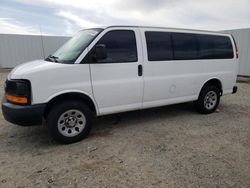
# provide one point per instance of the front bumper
(23, 115)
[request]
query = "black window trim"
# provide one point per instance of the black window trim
(171, 45)
(198, 47)
(87, 55)
(215, 36)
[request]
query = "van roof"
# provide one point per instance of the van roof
(181, 29)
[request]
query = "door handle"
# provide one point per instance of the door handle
(140, 70)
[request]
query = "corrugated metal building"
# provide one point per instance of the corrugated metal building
(16, 49)
(242, 38)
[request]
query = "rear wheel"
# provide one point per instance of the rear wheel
(208, 100)
(69, 121)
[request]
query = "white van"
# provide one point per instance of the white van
(116, 69)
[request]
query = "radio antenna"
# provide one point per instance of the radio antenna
(42, 41)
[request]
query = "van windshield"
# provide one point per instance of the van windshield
(72, 49)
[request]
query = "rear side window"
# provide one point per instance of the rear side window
(215, 47)
(163, 46)
(159, 46)
(121, 46)
(185, 46)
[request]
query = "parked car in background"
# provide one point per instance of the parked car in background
(116, 69)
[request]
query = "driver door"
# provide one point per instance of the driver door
(116, 80)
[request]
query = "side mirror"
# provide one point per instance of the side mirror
(100, 52)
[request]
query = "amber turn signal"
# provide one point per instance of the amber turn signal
(18, 100)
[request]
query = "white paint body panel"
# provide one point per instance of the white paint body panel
(116, 87)
(169, 82)
(49, 80)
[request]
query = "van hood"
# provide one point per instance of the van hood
(24, 70)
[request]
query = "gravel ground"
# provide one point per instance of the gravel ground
(165, 147)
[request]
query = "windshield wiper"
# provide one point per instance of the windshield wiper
(52, 58)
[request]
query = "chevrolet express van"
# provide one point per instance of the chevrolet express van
(116, 69)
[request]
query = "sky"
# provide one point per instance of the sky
(66, 17)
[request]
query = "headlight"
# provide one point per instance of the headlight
(18, 91)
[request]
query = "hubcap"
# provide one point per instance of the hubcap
(210, 100)
(71, 123)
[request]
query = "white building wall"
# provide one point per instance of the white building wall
(17, 49)
(242, 38)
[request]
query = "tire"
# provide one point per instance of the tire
(69, 121)
(208, 100)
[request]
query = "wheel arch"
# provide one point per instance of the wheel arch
(85, 98)
(213, 81)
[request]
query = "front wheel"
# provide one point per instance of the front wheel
(208, 100)
(69, 121)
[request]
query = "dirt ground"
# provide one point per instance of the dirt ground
(165, 147)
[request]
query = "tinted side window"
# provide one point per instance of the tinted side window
(185, 46)
(215, 47)
(159, 46)
(121, 46)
